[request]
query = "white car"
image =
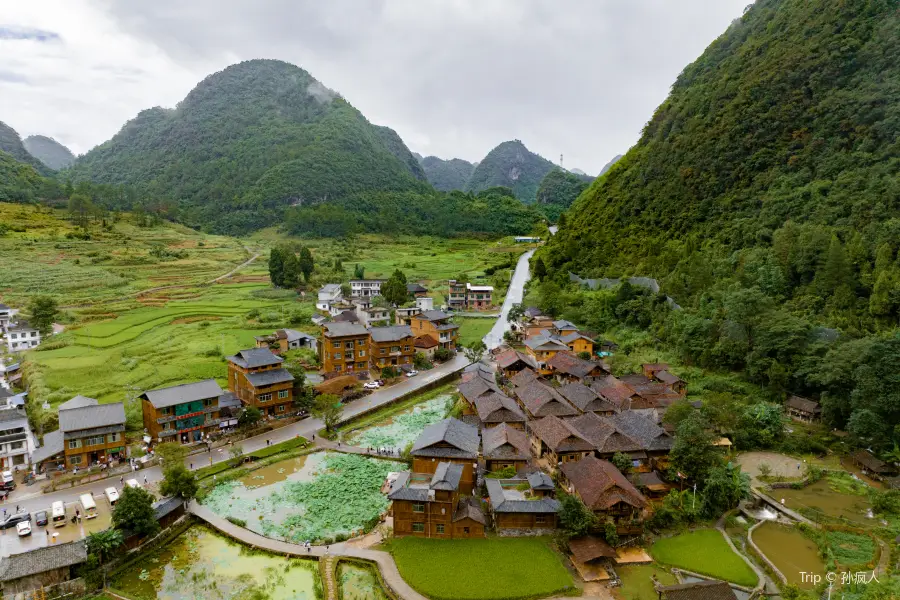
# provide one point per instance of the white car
(132, 483)
(371, 385)
(23, 528)
(112, 495)
(412, 373)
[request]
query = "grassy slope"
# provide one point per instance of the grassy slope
(704, 551)
(482, 568)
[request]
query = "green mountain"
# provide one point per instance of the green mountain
(19, 182)
(511, 165)
(446, 175)
(11, 143)
(49, 151)
(558, 190)
(249, 141)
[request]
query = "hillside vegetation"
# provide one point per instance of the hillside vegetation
(11, 143)
(558, 190)
(249, 141)
(511, 165)
(764, 195)
(49, 151)
(447, 175)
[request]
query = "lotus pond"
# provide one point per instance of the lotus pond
(321, 497)
(202, 564)
(401, 429)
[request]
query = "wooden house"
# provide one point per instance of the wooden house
(89, 433)
(616, 392)
(257, 378)
(673, 381)
(428, 505)
(563, 327)
(871, 466)
(803, 409)
(504, 446)
(452, 441)
(391, 346)
(437, 325)
(577, 342)
(556, 441)
(542, 348)
(496, 409)
(344, 348)
(31, 573)
(511, 362)
(541, 400)
(515, 506)
(587, 400)
(565, 367)
(282, 340)
(182, 413)
(523, 378)
(608, 493)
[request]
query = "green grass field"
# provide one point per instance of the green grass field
(483, 569)
(636, 582)
(704, 551)
(472, 329)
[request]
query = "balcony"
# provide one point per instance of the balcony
(170, 418)
(171, 432)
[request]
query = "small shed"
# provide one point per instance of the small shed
(590, 555)
(871, 466)
(699, 590)
(468, 520)
(41, 567)
(803, 409)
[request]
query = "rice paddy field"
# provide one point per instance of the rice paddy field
(704, 551)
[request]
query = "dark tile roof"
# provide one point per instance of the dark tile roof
(569, 364)
(12, 414)
(347, 316)
(559, 435)
(501, 503)
(633, 379)
(614, 390)
(868, 460)
(432, 315)
(600, 484)
(91, 417)
(532, 312)
(400, 489)
(523, 377)
(542, 400)
(446, 476)
(589, 547)
(166, 506)
(78, 402)
(394, 333)
(478, 371)
(803, 404)
(415, 288)
(643, 429)
(668, 377)
(700, 590)
(603, 434)
(41, 560)
(538, 480)
(476, 388)
(426, 341)
(343, 329)
(255, 357)
(571, 337)
(584, 398)
(505, 442)
(651, 479)
(654, 367)
(54, 444)
(510, 357)
(543, 342)
(564, 325)
(498, 408)
(462, 438)
(269, 377)
(469, 509)
(186, 392)
(229, 400)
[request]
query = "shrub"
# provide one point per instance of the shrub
(236, 521)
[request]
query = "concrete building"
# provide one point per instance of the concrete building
(329, 295)
(16, 439)
(21, 336)
(363, 288)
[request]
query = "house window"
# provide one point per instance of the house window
(337, 356)
(16, 445)
(466, 530)
(406, 348)
(75, 460)
(362, 353)
(440, 528)
(167, 425)
(348, 345)
(281, 408)
(282, 394)
(361, 366)
(336, 345)
(418, 527)
(395, 348)
(337, 368)
(74, 444)
(114, 437)
(540, 519)
(264, 397)
(95, 440)
(382, 351)
(166, 410)
(418, 507)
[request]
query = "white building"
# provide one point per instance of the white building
(22, 336)
(362, 288)
(16, 439)
(369, 314)
(424, 303)
(329, 294)
(6, 314)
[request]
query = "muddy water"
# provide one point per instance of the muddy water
(359, 583)
(819, 496)
(292, 468)
(202, 564)
(790, 551)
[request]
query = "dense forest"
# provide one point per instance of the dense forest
(493, 212)
(447, 175)
(249, 141)
(558, 190)
(511, 165)
(11, 143)
(764, 194)
(49, 151)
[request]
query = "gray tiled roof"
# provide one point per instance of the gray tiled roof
(330, 288)
(186, 392)
(542, 400)
(165, 506)
(400, 491)
(538, 342)
(447, 476)
(585, 399)
(344, 328)
(255, 357)
(501, 504)
(292, 335)
(229, 400)
(563, 324)
(538, 480)
(505, 442)
(40, 560)
(92, 417)
(559, 435)
(53, 445)
(78, 402)
(432, 315)
(269, 377)
(523, 377)
(510, 357)
(468, 509)
(568, 363)
(11, 414)
(463, 439)
(394, 333)
(498, 408)
(476, 388)
(643, 429)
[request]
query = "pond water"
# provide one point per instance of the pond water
(402, 428)
(790, 551)
(203, 564)
(359, 582)
(326, 495)
(821, 497)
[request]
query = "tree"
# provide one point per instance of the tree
(359, 271)
(104, 543)
(540, 270)
(338, 265)
(328, 407)
(172, 455)
(584, 355)
(575, 518)
(276, 266)
(394, 289)
(761, 425)
(693, 454)
(622, 462)
(515, 312)
(43, 312)
(236, 452)
(346, 290)
(179, 482)
(80, 209)
(291, 270)
(306, 263)
(475, 351)
(725, 486)
(133, 512)
(250, 416)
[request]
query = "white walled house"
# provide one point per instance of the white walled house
(329, 295)
(6, 314)
(363, 288)
(16, 439)
(22, 336)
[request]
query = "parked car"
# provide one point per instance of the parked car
(41, 518)
(371, 385)
(412, 373)
(23, 528)
(132, 483)
(112, 495)
(8, 483)
(14, 519)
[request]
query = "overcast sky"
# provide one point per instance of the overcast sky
(454, 78)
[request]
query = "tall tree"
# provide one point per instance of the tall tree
(394, 289)
(134, 512)
(276, 266)
(540, 270)
(328, 407)
(693, 453)
(307, 265)
(42, 312)
(179, 482)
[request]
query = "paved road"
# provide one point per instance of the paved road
(513, 296)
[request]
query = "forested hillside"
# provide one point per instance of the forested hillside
(49, 151)
(11, 143)
(249, 141)
(19, 182)
(558, 190)
(764, 194)
(447, 175)
(609, 165)
(511, 165)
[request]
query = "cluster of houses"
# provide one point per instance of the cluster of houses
(18, 335)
